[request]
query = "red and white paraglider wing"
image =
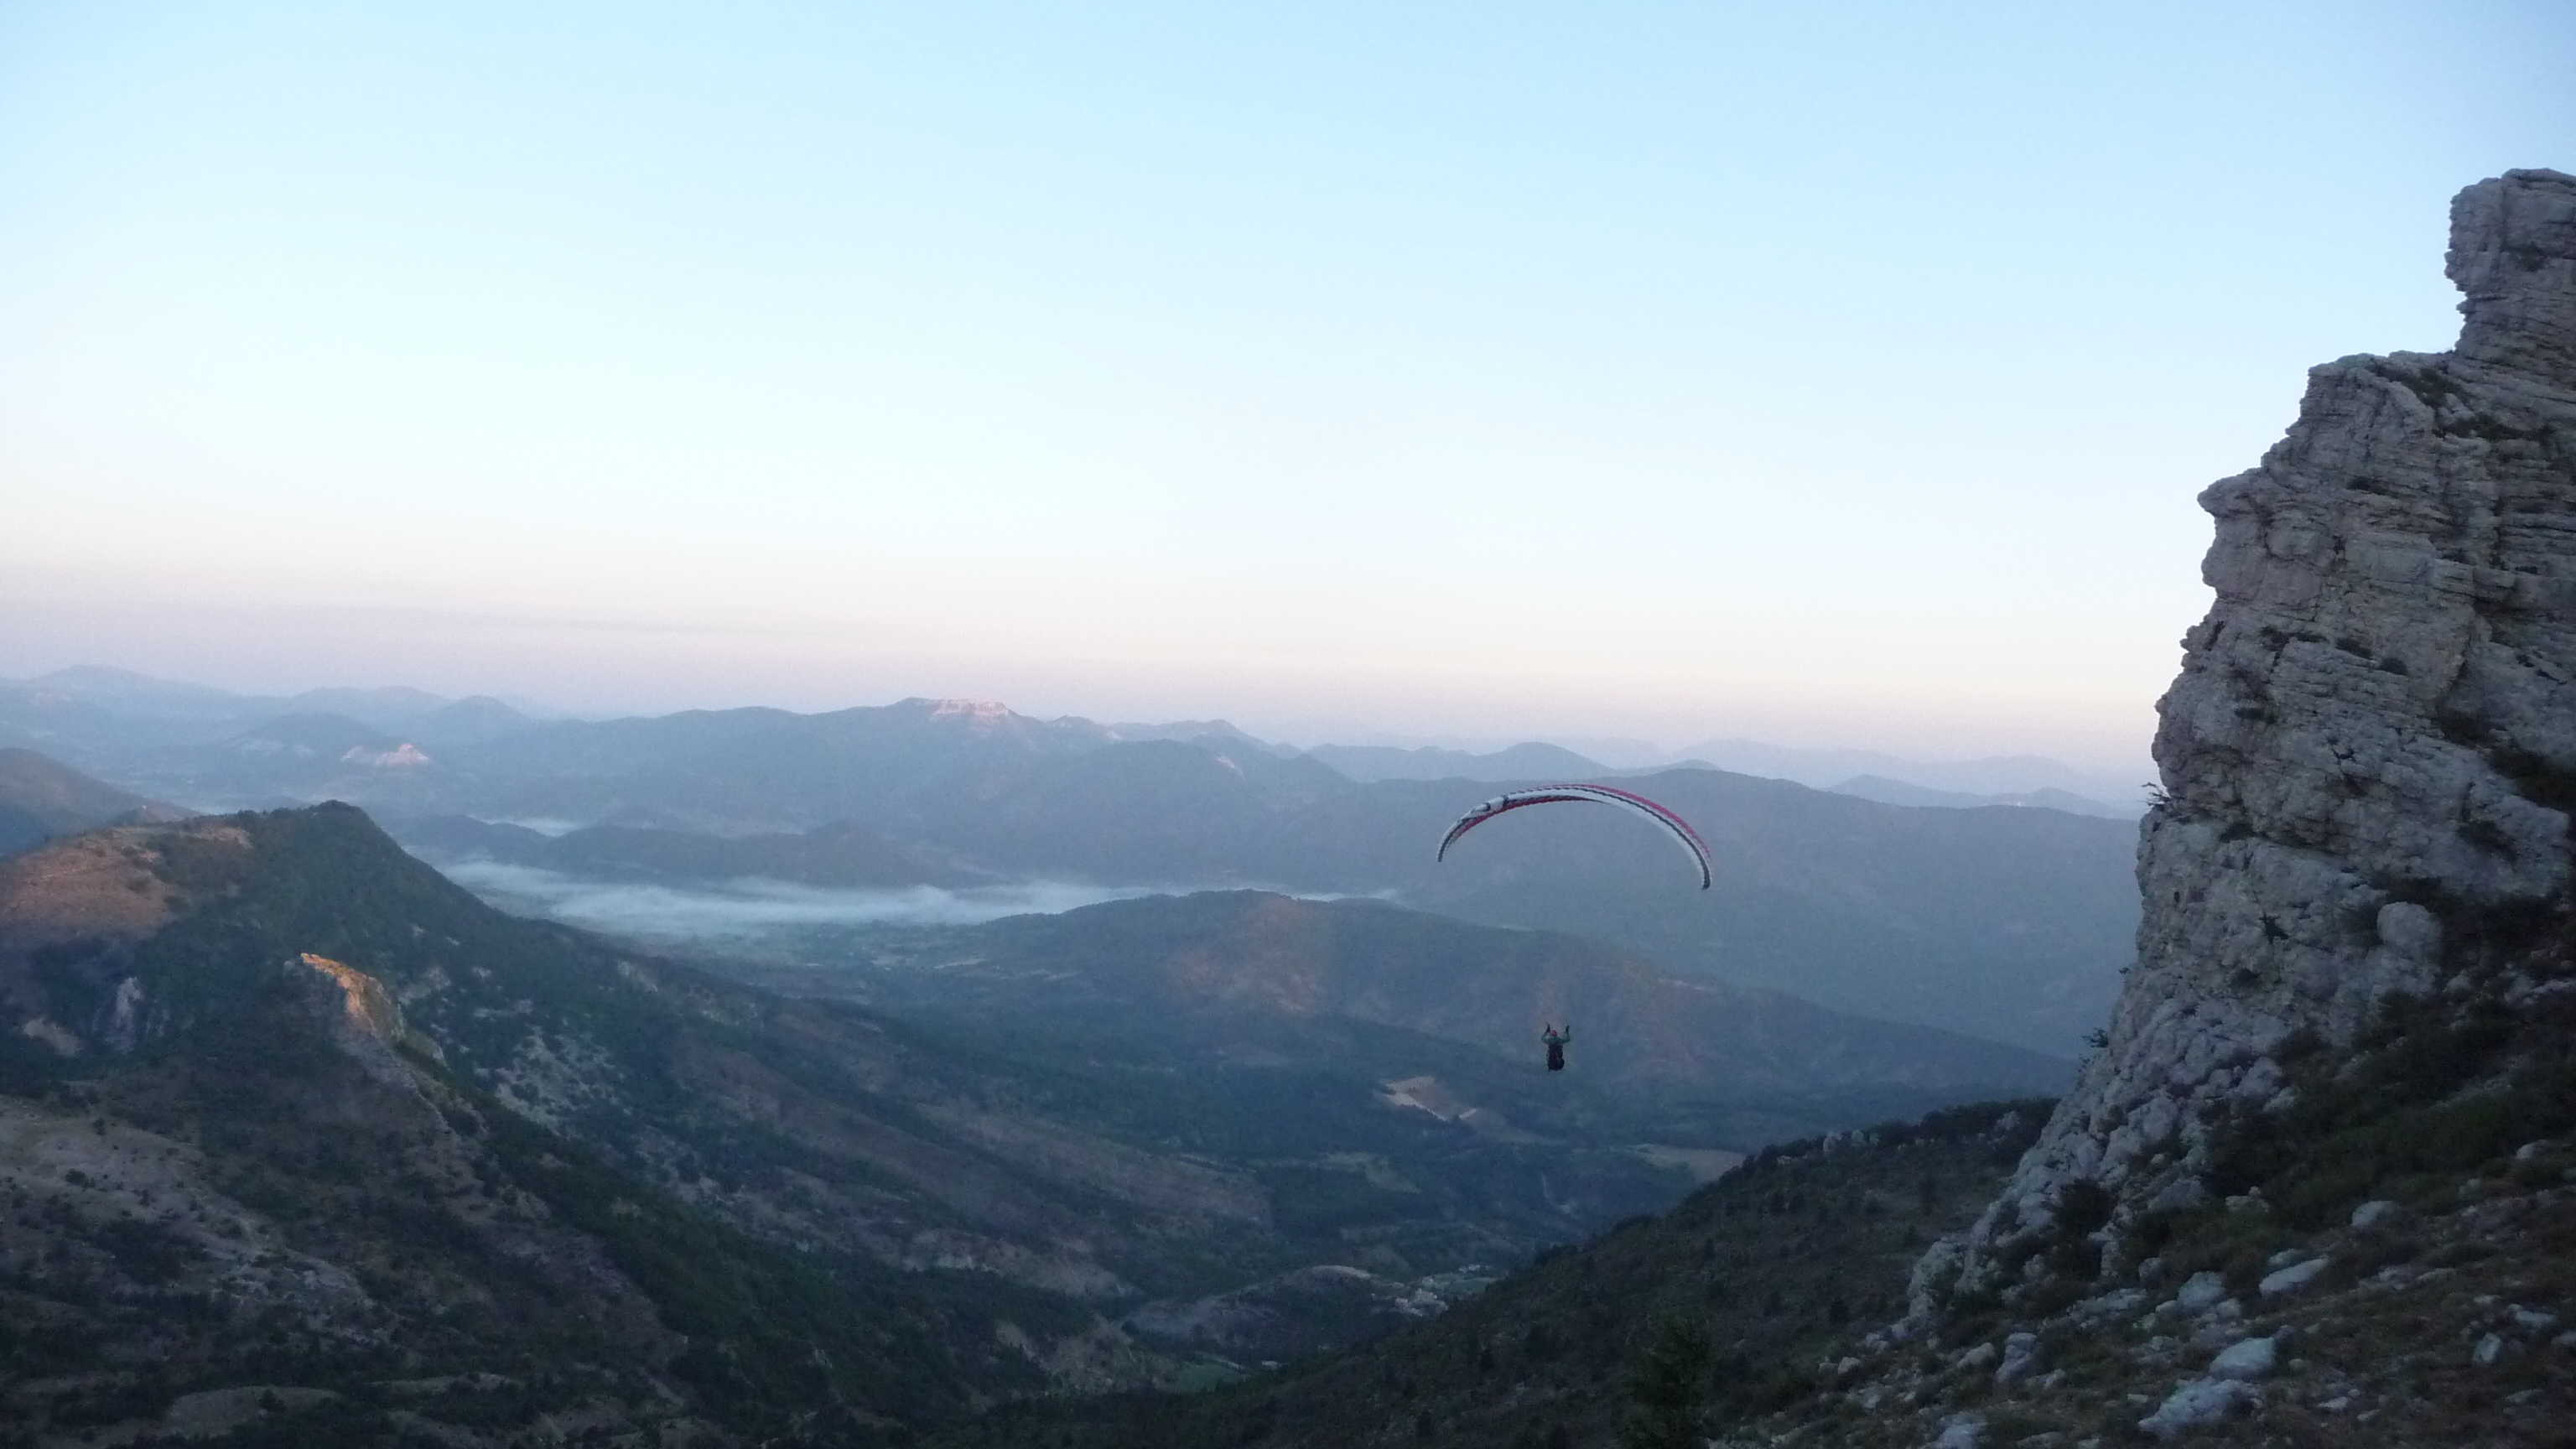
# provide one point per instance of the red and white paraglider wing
(1629, 800)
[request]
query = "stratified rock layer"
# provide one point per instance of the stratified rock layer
(2370, 755)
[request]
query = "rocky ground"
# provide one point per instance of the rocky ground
(2447, 1322)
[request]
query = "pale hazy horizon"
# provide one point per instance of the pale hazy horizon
(1837, 376)
(1583, 729)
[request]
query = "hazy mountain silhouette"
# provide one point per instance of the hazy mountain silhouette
(127, 692)
(1991, 775)
(1898, 792)
(474, 720)
(1519, 762)
(41, 798)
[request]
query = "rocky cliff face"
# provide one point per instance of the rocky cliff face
(2369, 758)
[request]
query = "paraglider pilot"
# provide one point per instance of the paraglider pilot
(1556, 1041)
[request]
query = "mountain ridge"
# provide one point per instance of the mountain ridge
(1375, 961)
(41, 798)
(2011, 928)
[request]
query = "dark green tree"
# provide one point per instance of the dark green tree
(1665, 1389)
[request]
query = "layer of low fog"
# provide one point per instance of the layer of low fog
(750, 908)
(547, 825)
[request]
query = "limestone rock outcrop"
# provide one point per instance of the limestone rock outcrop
(367, 1022)
(2369, 758)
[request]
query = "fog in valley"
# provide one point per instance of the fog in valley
(749, 908)
(747, 911)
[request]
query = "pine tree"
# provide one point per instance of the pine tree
(1666, 1388)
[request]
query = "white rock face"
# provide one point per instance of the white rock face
(2372, 743)
(2201, 1291)
(2021, 1358)
(2248, 1361)
(2201, 1401)
(2292, 1279)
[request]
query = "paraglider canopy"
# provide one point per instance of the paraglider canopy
(1627, 800)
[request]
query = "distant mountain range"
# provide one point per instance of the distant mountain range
(195, 738)
(1999, 775)
(86, 706)
(1519, 762)
(1898, 792)
(2005, 923)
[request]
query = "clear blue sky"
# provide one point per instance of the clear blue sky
(1830, 373)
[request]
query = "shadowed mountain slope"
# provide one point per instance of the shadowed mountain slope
(1639, 1030)
(2010, 924)
(41, 798)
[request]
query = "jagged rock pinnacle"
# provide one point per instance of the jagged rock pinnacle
(2513, 256)
(2369, 756)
